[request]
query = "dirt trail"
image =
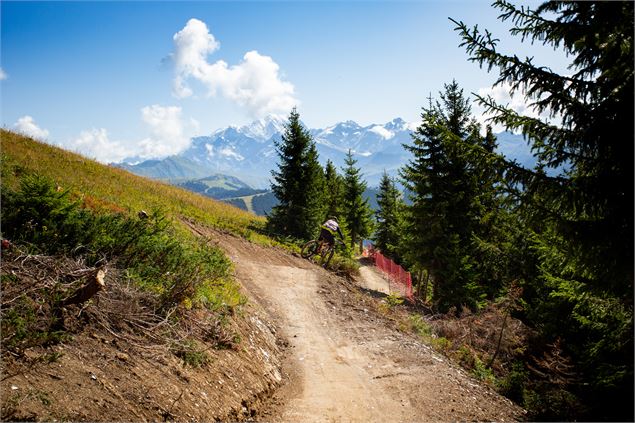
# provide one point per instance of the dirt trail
(373, 280)
(345, 363)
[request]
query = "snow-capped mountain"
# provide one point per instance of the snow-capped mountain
(364, 141)
(248, 152)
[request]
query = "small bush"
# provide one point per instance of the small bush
(466, 356)
(482, 372)
(343, 266)
(393, 300)
(441, 344)
(548, 403)
(420, 326)
(513, 384)
(28, 323)
(191, 354)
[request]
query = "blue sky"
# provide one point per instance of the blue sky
(111, 79)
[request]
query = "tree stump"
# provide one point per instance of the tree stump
(86, 292)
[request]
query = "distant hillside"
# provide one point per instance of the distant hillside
(220, 187)
(259, 204)
(170, 168)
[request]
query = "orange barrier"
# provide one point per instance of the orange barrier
(398, 279)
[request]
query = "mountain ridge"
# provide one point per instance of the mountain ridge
(248, 152)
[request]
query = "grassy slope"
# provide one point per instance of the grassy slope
(105, 187)
(200, 335)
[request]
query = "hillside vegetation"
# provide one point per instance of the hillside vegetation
(76, 228)
(106, 188)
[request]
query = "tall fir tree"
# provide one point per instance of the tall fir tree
(333, 190)
(444, 181)
(421, 175)
(357, 212)
(388, 218)
(581, 213)
(298, 184)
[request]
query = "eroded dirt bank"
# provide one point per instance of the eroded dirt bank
(116, 364)
(345, 362)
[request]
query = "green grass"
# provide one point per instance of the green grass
(103, 187)
(191, 353)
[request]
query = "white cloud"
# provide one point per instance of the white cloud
(382, 132)
(27, 126)
(501, 94)
(3, 75)
(255, 83)
(95, 143)
(166, 137)
(167, 131)
(517, 102)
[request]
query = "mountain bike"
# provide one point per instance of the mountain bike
(319, 251)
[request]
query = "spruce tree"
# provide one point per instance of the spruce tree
(496, 220)
(357, 212)
(421, 175)
(333, 190)
(445, 214)
(388, 217)
(581, 214)
(297, 184)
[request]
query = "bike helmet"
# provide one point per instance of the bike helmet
(334, 218)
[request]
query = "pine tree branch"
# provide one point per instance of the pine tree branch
(552, 143)
(523, 73)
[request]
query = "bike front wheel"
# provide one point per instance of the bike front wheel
(310, 249)
(327, 255)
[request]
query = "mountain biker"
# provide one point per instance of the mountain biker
(328, 231)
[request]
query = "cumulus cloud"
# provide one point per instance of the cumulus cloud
(26, 125)
(501, 94)
(96, 144)
(382, 132)
(517, 102)
(255, 83)
(166, 136)
(3, 75)
(167, 131)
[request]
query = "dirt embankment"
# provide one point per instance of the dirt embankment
(119, 365)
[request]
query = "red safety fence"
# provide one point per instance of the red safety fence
(398, 279)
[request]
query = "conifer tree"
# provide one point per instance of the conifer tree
(333, 190)
(445, 214)
(388, 217)
(581, 218)
(497, 221)
(297, 184)
(357, 212)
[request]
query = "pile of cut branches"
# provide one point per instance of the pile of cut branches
(47, 299)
